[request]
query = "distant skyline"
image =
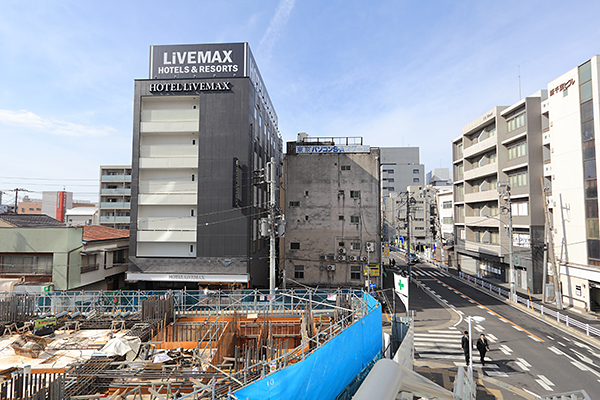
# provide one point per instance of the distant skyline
(397, 73)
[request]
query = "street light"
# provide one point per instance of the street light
(476, 319)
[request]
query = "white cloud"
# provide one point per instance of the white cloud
(29, 120)
(278, 22)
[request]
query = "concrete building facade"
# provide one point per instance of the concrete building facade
(501, 149)
(439, 177)
(204, 126)
(571, 173)
(332, 211)
(400, 168)
(114, 204)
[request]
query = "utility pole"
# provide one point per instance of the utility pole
(273, 226)
(550, 249)
(508, 207)
(272, 233)
(17, 190)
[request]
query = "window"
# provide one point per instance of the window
(518, 179)
(354, 219)
(515, 122)
(355, 194)
(355, 246)
(193, 177)
(447, 204)
(341, 217)
(419, 228)
(306, 217)
(294, 245)
(415, 171)
(447, 221)
(294, 204)
(388, 179)
(193, 142)
(517, 150)
(298, 271)
(345, 168)
(355, 272)
(192, 212)
(340, 193)
(389, 171)
(306, 193)
(520, 208)
(191, 248)
(416, 180)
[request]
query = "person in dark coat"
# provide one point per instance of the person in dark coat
(483, 347)
(465, 343)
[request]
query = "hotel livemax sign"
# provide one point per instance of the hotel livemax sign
(219, 60)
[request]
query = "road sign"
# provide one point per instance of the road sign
(373, 285)
(386, 254)
(371, 270)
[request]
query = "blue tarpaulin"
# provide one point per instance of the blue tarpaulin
(329, 369)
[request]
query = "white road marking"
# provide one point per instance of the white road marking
(566, 338)
(550, 337)
(479, 328)
(432, 339)
(497, 374)
(543, 384)
(436, 331)
(505, 349)
(583, 357)
(517, 328)
(450, 327)
(583, 346)
(546, 380)
(562, 344)
(556, 351)
(503, 320)
(447, 356)
(491, 313)
(534, 338)
(464, 297)
(422, 350)
(471, 301)
(524, 362)
(523, 366)
(460, 312)
(482, 307)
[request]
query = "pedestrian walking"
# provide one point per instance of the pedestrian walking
(466, 344)
(483, 347)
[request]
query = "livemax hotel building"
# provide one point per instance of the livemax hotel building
(203, 124)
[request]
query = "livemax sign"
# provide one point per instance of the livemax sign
(198, 61)
(189, 87)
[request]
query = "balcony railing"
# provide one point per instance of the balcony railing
(116, 191)
(116, 204)
(116, 178)
(115, 219)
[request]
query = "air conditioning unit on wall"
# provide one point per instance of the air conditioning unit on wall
(341, 251)
(364, 258)
(341, 258)
(352, 258)
(331, 267)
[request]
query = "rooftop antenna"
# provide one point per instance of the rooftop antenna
(520, 82)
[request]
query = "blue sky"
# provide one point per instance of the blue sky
(398, 73)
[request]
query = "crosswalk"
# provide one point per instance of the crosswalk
(429, 274)
(445, 345)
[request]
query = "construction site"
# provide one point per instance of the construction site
(186, 345)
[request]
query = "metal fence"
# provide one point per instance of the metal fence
(197, 302)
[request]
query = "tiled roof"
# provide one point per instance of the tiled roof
(29, 220)
(97, 232)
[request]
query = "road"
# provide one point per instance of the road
(525, 352)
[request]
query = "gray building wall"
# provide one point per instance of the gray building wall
(321, 237)
(407, 171)
(227, 237)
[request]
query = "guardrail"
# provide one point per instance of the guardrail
(546, 311)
